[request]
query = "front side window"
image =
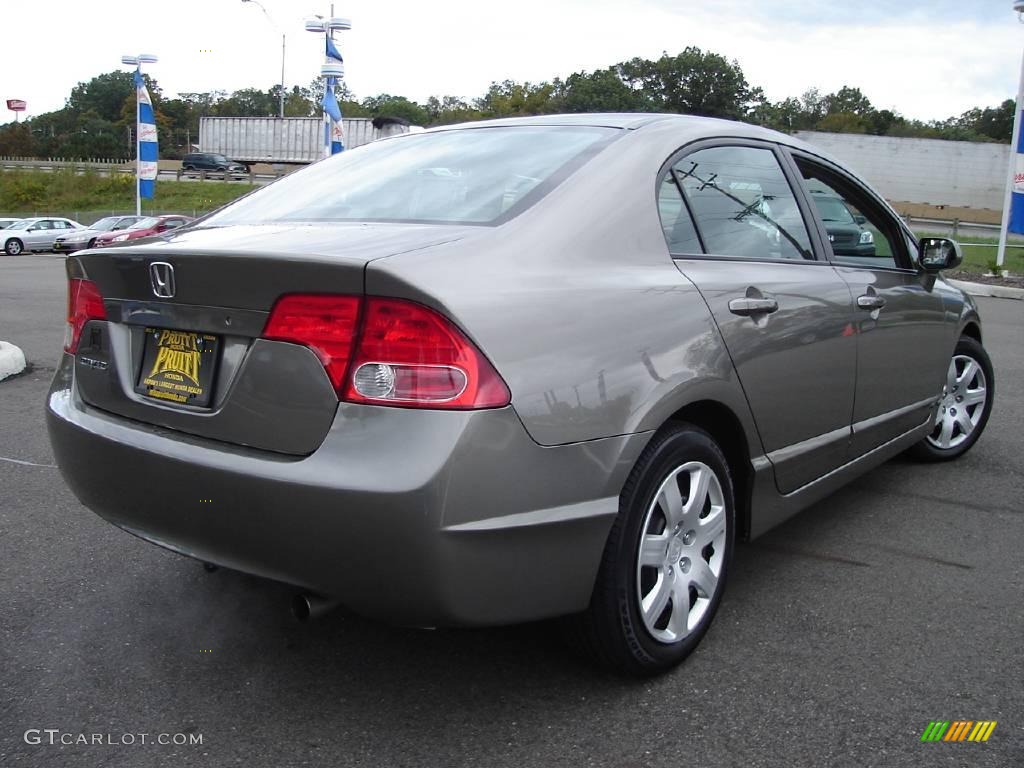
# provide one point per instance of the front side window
(467, 176)
(860, 232)
(743, 204)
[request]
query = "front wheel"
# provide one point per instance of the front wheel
(966, 403)
(665, 561)
(13, 247)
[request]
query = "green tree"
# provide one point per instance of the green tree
(847, 100)
(386, 105)
(599, 91)
(692, 83)
(104, 94)
(509, 99)
(16, 140)
(449, 109)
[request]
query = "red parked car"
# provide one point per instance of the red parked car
(151, 225)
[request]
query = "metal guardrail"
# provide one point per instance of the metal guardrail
(106, 168)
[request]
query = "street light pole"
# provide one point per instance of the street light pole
(1012, 172)
(281, 94)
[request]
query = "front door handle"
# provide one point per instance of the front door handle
(870, 301)
(746, 306)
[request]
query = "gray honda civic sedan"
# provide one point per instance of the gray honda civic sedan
(513, 370)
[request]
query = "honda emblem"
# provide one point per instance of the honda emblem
(161, 277)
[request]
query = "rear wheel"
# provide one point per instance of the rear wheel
(965, 406)
(666, 558)
(13, 247)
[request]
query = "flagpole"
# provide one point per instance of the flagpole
(138, 148)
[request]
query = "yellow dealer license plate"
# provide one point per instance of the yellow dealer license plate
(178, 366)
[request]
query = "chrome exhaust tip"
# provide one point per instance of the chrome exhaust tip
(306, 607)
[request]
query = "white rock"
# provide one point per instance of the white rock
(12, 360)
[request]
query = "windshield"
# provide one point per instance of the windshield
(470, 176)
(23, 224)
(146, 223)
(833, 209)
(105, 224)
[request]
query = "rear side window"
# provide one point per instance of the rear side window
(680, 233)
(743, 204)
(467, 176)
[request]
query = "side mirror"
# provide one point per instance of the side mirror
(860, 219)
(938, 253)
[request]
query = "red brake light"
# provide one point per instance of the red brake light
(325, 324)
(84, 303)
(410, 355)
(398, 352)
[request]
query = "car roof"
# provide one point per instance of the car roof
(686, 128)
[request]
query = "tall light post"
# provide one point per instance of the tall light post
(1013, 201)
(281, 97)
(332, 69)
(137, 62)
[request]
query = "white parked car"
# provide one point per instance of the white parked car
(36, 234)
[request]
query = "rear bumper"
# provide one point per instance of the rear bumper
(415, 517)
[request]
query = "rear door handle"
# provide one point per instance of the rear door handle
(746, 307)
(870, 301)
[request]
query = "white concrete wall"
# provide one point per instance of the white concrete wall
(955, 173)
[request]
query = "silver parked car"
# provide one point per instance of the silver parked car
(35, 234)
(80, 239)
(513, 370)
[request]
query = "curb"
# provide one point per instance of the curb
(12, 360)
(983, 289)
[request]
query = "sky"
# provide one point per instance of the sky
(925, 59)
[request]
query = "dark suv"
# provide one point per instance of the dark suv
(845, 229)
(211, 161)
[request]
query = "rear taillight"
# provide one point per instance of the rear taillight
(84, 303)
(389, 352)
(410, 355)
(325, 324)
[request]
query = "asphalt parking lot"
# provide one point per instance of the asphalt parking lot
(842, 633)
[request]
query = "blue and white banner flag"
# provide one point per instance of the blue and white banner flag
(333, 110)
(147, 140)
(332, 52)
(1017, 203)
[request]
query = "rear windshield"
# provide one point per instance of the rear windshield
(105, 224)
(468, 176)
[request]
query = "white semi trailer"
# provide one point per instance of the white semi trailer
(287, 139)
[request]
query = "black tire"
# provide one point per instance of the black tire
(92, 242)
(14, 247)
(930, 448)
(613, 630)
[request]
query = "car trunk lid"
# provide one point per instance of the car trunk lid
(223, 282)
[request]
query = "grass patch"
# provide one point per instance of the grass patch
(88, 196)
